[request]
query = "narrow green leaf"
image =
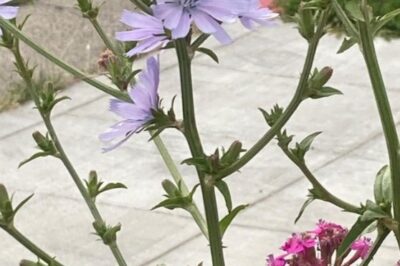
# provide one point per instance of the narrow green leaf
(210, 53)
(303, 208)
(354, 9)
(22, 203)
(111, 186)
(33, 157)
(224, 189)
(355, 231)
(172, 203)
(382, 21)
(227, 220)
(325, 92)
(346, 44)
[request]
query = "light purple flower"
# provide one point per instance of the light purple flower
(253, 13)
(148, 31)
(178, 16)
(7, 12)
(139, 113)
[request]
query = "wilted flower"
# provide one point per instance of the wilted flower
(253, 13)
(178, 16)
(7, 12)
(148, 31)
(139, 113)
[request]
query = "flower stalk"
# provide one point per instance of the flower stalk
(193, 139)
(292, 107)
(17, 235)
(27, 76)
(385, 111)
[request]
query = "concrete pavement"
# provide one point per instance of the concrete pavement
(259, 69)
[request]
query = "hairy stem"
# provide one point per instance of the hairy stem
(385, 111)
(25, 74)
(292, 107)
(326, 195)
(193, 139)
(17, 235)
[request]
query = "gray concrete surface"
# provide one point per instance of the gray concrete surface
(58, 26)
(260, 69)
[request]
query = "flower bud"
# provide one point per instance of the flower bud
(40, 140)
(306, 23)
(170, 188)
(3, 195)
(232, 154)
(322, 77)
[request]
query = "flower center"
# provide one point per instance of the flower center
(189, 3)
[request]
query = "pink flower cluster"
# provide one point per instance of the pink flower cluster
(317, 248)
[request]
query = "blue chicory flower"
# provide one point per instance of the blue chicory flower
(178, 16)
(253, 13)
(7, 12)
(138, 113)
(148, 31)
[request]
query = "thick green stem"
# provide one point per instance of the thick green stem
(385, 112)
(169, 162)
(193, 139)
(25, 74)
(382, 234)
(292, 107)
(70, 69)
(17, 235)
(325, 194)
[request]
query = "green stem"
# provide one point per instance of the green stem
(193, 139)
(26, 75)
(382, 234)
(103, 35)
(326, 195)
(349, 26)
(385, 112)
(70, 69)
(169, 162)
(17, 235)
(142, 6)
(292, 107)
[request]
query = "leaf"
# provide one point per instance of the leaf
(383, 186)
(210, 53)
(111, 186)
(325, 92)
(227, 220)
(346, 44)
(373, 212)
(354, 9)
(382, 21)
(22, 203)
(172, 203)
(33, 157)
(355, 231)
(303, 208)
(56, 101)
(224, 189)
(304, 146)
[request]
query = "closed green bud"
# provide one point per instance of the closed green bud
(306, 23)
(40, 140)
(170, 188)
(322, 77)
(3, 195)
(232, 154)
(87, 9)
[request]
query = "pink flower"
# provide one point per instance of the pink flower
(278, 261)
(362, 247)
(330, 236)
(299, 243)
